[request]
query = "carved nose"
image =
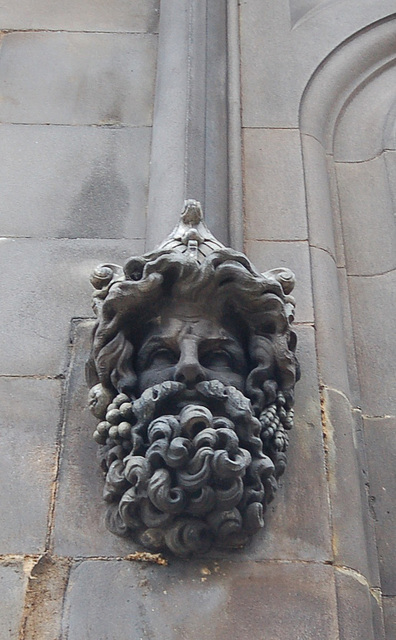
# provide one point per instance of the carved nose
(189, 371)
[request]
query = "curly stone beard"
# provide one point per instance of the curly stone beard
(200, 478)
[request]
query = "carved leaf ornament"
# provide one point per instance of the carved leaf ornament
(192, 373)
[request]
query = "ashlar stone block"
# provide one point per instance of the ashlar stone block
(239, 601)
(390, 162)
(30, 414)
(390, 617)
(355, 607)
(380, 436)
(77, 78)
(332, 354)
(295, 256)
(79, 515)
(320, 214)
(91, 15)
(12, 590)
(361, 131)
(45, 284)
(76, 182)
(374, 341)
(348, 501)
(367, 217)
(274, 77)
(274, 203)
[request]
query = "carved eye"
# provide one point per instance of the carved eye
(216, 360)
(163, 358)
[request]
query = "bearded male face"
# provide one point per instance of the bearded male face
(181, 349)
(185, 346)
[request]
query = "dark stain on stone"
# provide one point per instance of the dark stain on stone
(153, 19)
(100, 209)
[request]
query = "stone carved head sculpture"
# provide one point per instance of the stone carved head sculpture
(192, 374)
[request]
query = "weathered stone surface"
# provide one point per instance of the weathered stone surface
(79, 516)
(336, 213)
(370, 249)
(77, 78)
(29, 423)
(295, 256)
(275, 204)
(361, 132)
(353, 378)
(47, 581)
(297, 527)
(319, 205)
(377, 609)
(348, 501)
(92, 15)
(12, 590)
(307, 10)
(44, 284)
(389, 605)
(273, 82)
(390, 162)
(381, 450)
(78, 182)
(269, 82)
(167, 179)
(354, 606)
(328, 321)
(256, 600)
(374, 341)
(349, 66)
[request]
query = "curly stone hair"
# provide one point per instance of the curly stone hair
(257, 306)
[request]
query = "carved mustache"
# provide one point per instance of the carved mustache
(128, 420)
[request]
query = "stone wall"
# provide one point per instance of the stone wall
(280, 118)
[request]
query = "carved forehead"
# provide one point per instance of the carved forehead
(177, 327)
(180, 320)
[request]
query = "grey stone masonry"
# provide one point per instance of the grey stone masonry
(275, 204)
(235, 601)
(318, 98)
(28, 443)
(76, 110)
(98, 179)
(92, 15)
(57, 291)
(12, 594)
(390, 617)
(77, 78)
(281, 115)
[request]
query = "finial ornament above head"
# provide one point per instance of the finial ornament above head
(191, 235)
(192, 373)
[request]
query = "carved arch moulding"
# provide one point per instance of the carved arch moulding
(192, 373)
(347, 115)
(348, 142)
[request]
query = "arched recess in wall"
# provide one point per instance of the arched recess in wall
(347, 120)
(348, 131)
